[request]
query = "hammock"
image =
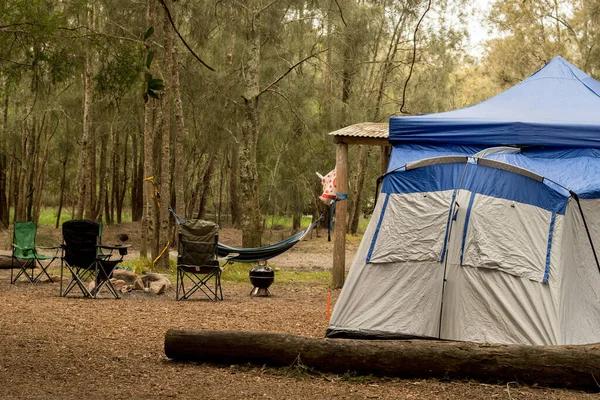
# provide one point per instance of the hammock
(254, 254)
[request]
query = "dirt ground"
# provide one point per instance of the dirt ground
(72, 348)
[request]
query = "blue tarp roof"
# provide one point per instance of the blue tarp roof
(559, 105)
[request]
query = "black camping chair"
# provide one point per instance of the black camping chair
(85, 260)
(197, 260)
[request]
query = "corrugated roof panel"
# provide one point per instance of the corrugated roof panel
(364, 129)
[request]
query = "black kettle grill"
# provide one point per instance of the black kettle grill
(261, 277)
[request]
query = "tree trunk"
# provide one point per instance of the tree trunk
(84, 158)
(32, 158)
(234, 206)
(108, 147)
(296, 221)
(165, 173)
(562, 366)
(24, 175)
(148, 225)
(63, 181)
(4, 199)
(359, 182)
(181, 134)
(249, 199)
(137, 170)
(39, 181)
(13, 180)
(120, 194)
(205, 187)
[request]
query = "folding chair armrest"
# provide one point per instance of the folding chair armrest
(114, 247)
(121, 248)
(50, 247)
(24, 250)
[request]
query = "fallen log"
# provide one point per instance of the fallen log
(6, 262)
(560, 366)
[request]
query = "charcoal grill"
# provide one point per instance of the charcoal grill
(261, 277)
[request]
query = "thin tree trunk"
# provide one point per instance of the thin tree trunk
(33, 159)
(108, 147)
(4, 199)
(249, 200)
(23, 187)
(84, 158)
(234, 206)
(179, 138)
(63, 181)
(148, 226)
(137, 171)
(13, 181)
(221, 179)
(123, 186)
(39, 182)
(165, 175)
(359, 183)
(205, 187)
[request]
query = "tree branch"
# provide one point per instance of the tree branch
(290, 105)
(181, 37)
(412, 65)
(290, 69)
(341, 13)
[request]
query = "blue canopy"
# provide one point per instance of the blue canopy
(559, 105)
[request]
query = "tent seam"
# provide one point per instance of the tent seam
(385, 203)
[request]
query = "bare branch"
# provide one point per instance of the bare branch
(265, 8)
(290, 105)
(181, 37)
(341, 13)
(290, 69)
(412, 65)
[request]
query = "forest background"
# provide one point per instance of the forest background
(227, 104)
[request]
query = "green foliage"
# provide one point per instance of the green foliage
(120, 69)
(147, 35)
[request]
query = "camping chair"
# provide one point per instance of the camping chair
(25, 254)
(197, 260)
(84, 259)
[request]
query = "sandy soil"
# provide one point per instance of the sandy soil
(72, 348)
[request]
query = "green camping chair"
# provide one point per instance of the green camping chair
(25, 254)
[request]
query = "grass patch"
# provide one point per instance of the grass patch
(144, 265)
(238, 272)
(48, 215)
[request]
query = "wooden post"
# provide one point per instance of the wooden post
(385, 158)
(339, 230)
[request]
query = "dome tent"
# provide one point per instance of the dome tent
(488, 222)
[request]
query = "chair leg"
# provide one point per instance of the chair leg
(23, 266)
(44, 270)
(199, 283)
(78, 276)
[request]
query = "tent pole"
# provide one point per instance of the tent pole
(339, 229)
(576, 197)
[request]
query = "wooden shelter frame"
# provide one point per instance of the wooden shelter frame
(367, 133)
